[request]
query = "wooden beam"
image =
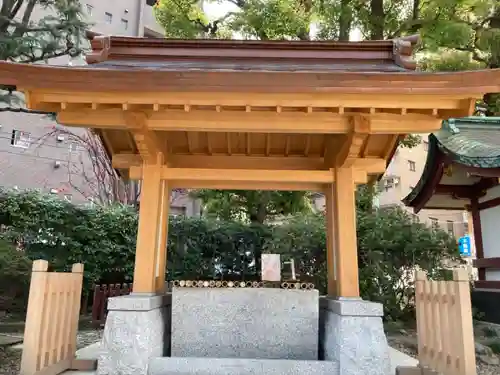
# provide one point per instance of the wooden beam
(239, 177)
(254, 122)
(125, 161)
(246, 175)
(240, 99)
(346, 254)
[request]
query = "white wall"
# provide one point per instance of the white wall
(490, 220)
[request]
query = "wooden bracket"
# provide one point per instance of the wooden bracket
(146, 140)
(354, 142)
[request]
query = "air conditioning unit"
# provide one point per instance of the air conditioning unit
(54, 191)
(57, 164)
(60, 138)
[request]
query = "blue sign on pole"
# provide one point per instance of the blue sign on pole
(464, 246)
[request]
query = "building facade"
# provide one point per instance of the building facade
(37, 153)
(402, 175)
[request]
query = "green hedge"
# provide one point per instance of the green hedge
(390, 245)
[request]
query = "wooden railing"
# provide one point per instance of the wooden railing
(444, 326)
(52, 322)
(100, 300)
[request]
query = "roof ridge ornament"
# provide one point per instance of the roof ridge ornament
(403, 51)
(100, 49)
(451, 127)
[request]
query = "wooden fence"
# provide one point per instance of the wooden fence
(52, 322)
(444, 326)
(100, 300)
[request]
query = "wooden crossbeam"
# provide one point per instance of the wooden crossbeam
(254, 122)
(369, 165)
(247, 179)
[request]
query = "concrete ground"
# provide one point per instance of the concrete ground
(90, 352)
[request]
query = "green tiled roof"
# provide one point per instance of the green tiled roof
(472, 141)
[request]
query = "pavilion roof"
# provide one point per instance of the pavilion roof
(160, 64)
(461, 154)
(285, 105)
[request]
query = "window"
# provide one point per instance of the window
(108, 17)
(450, 227)
(20, 139)
(434, 223)
(426, 145)
(411, 165)
(90, 8)
(124, 24)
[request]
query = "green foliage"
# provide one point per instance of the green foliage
(15, 270)
(495, 346)
(58, 33)
(390, 245)
(25, 39)
(50, 228)
(253, 206)
(303, 239)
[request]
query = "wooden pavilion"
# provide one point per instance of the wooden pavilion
(462, 172)
(317, 116)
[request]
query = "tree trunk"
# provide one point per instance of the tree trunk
(258, 215)
(377, 18)
(345, 20)
(492, 100)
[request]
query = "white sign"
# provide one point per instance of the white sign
(271, 267)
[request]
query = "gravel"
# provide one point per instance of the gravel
(10, 357)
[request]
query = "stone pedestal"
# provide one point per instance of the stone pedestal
(245, 323)
(352, 334)
(137, 329)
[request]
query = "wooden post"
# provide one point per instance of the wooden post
(346, 254)
(465, 343)
(330, 239)
(161, 262)
(34, 318)
(152, 192)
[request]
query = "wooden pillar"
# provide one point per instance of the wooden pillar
(346, 253)
(478, 235)
(330, 239)
(161, 261)
(148, 234)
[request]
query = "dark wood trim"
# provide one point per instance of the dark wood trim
(484, 172)
(478, 235)
(487, 284)
(489, 204)
(487, 263)
(438, 166)
(467, 191)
